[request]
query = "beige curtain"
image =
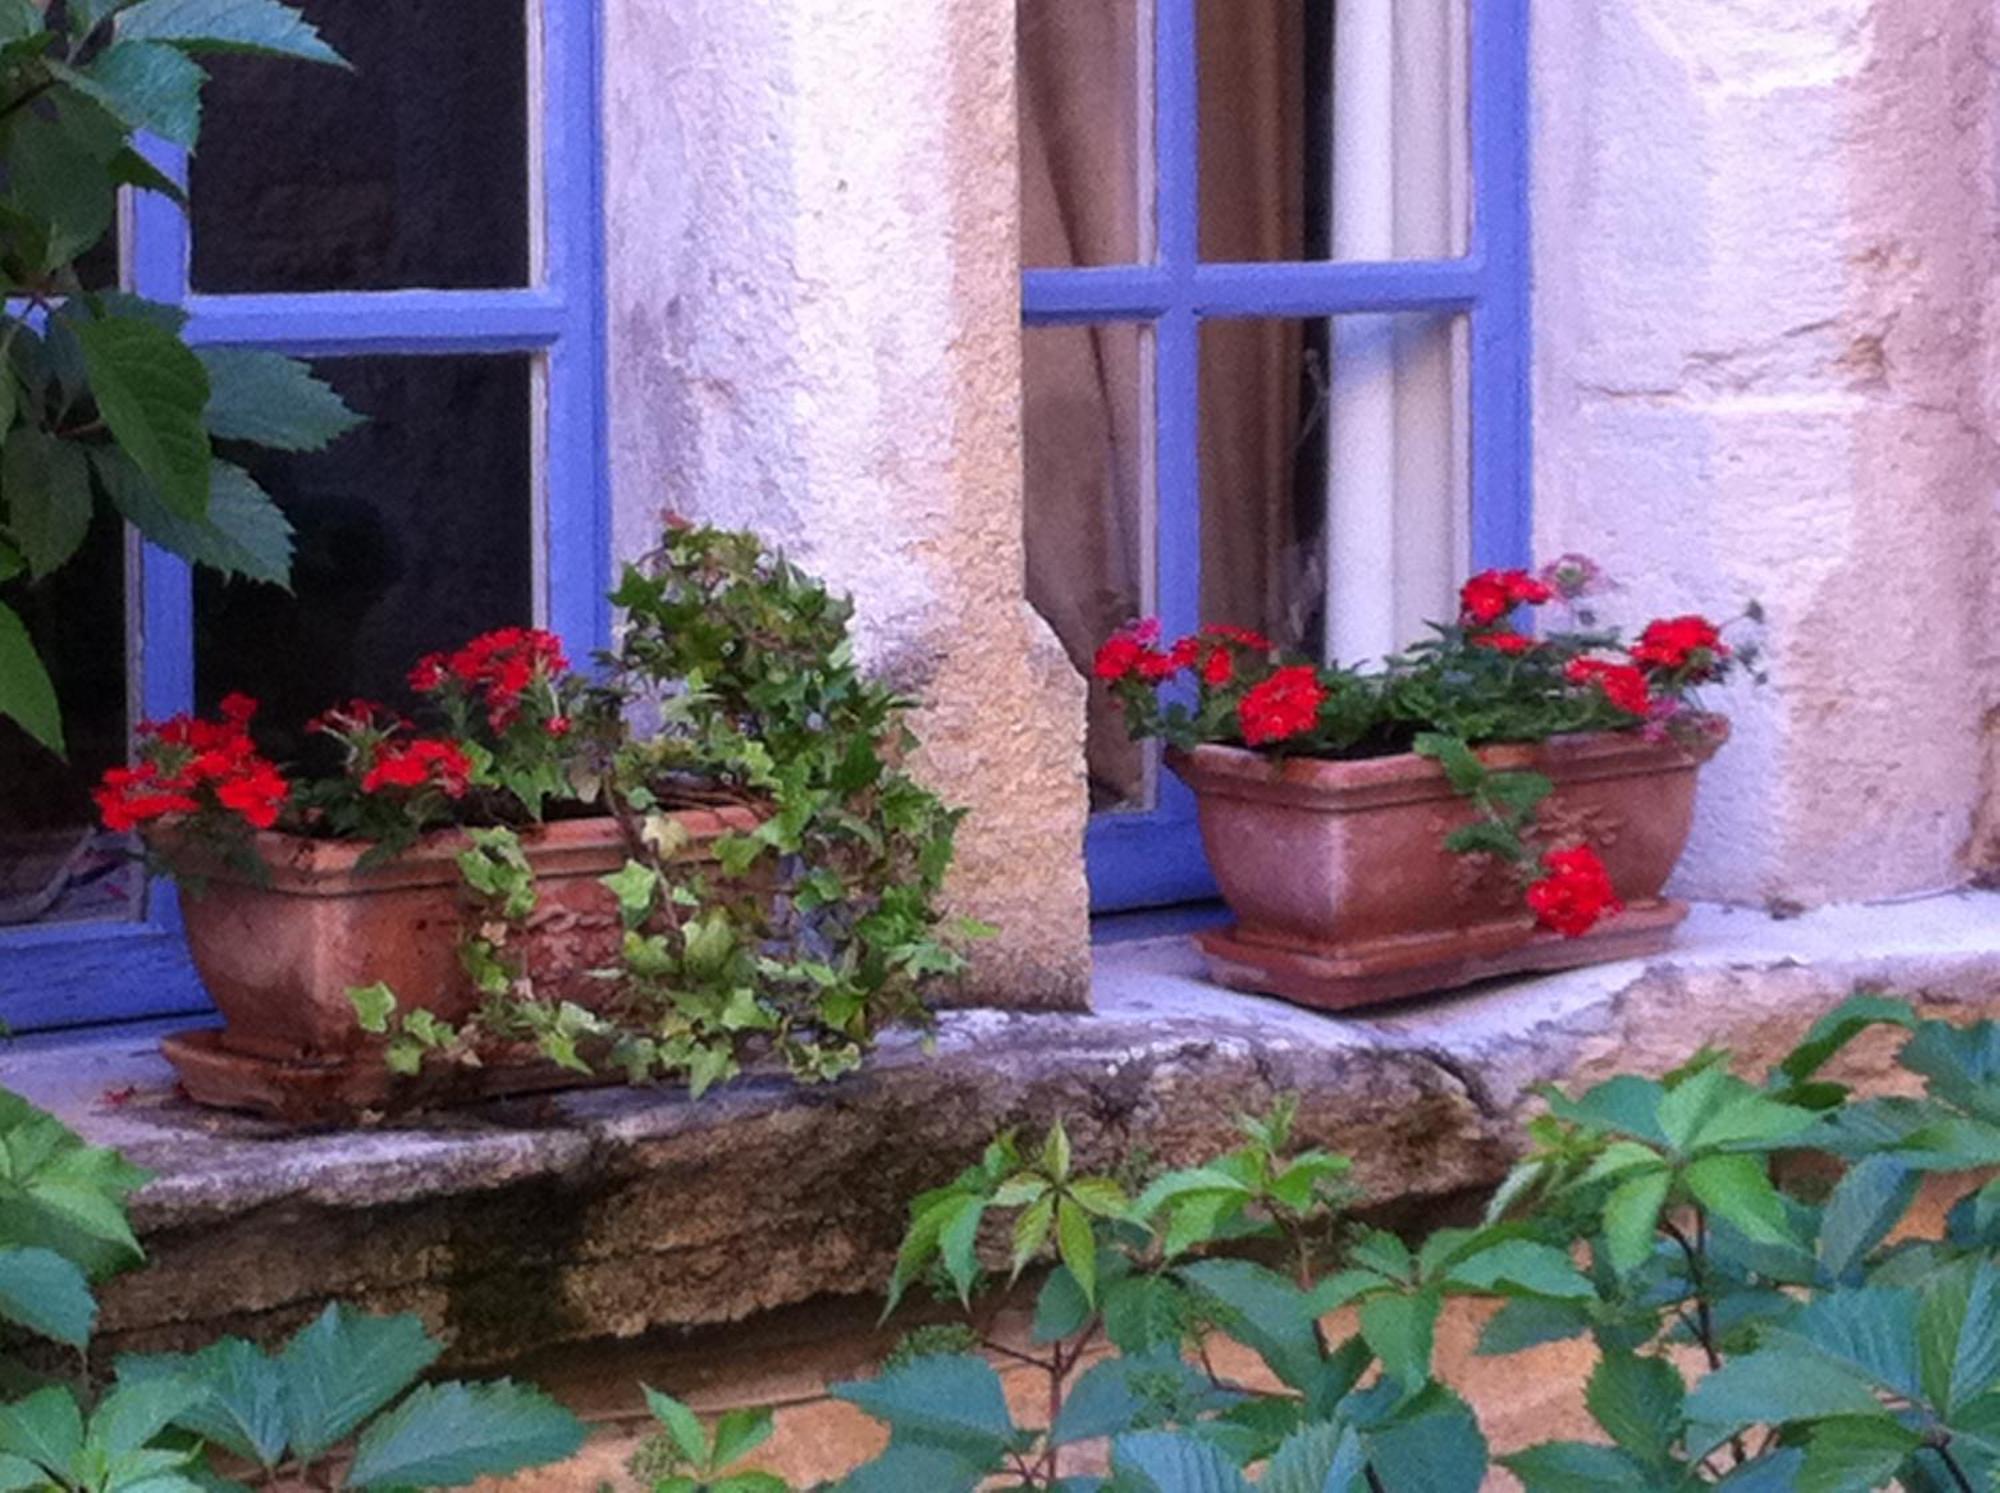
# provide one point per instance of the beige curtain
(1086, 150)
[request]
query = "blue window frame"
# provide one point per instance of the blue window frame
(69, 974)
(1152, 857)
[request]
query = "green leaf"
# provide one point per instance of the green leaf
(57, 180)
(27, 694)
(151, 391)
(272, 400)
(1076, 1242)
(928, 1217)
(1631, 1214)
(1854, 1454)
(1958, 1334)
(19, 1475)
(1432, 1445)
(1108, 1399)
(1055, 1153)
(1638, 1402)
(1163, 1462)
(1061, 1309)
(1400, 1329)
(46, 484)
(46, 1428)
(19, 19)
(1528, 1322)
(740, 1432)
(750, 1482)
(1323, 1458)
(1687, 1105)
(1522, 1267)
(1772, 1386)
(1144, 1312)
(1262, 1310)
(242, 1407)
(1462, 767)
(1101, 1196)
(448, 1435)
(956, 1240)
(1031, 1228)
(46, 1293)
(1962, 1064)
(1737, 1189)
(133, 1414)
(227, 26)
(954, 1403)
(373, 1006)
(343, 1367)
(1626, 1105)
(1839, 1027)
(243, 533)
(682, 1425)
(1868, 1202)
(148, 86)
(1580, 1467)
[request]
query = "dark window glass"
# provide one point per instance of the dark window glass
(411, 170)
(414, 533)
(55, 865)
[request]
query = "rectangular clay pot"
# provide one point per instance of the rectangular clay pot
(1345, 895)
(278, 958)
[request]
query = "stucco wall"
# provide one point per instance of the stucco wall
(814, 326)
(1764, 250)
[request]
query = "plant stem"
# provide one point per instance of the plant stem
(1957, 1472)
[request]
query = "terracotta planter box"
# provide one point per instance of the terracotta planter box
(279, 957)
(1345, 895)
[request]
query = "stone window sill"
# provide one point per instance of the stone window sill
(613, 1212)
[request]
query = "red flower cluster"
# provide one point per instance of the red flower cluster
(1676, 642)
(423, 763)
(1575, 894)
(1624, 686)
(1282, 706)
(501, 665)
(1492, 594)
(185, 756)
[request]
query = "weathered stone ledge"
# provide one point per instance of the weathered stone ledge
(609, 1213)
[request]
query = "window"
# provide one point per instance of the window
(425, 229)
(1275, 362)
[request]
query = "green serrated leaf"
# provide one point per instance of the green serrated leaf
(1076, 1243)
(261, 26)
(151, 390)
(1631, 1214)
(273, 401)
(448, 1435)
(148, 86)
(242, 1406)
(46, 485)
(1737, 1189)
(373, 1006)
(46, 1293)
(243, 533)
(683, 1426)
(952, 1402)
(45, 1428)
(342, 1368)
(1638, 1401)
(27, 694)
(1400, 1329)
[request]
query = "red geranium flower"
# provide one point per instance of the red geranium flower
(1242, 637)
(1677, 642)
(1503, 642)
(1156, 666)
(1284, 705)
(1492, 594)
(1118, 657)
(425, 762)
(1575, 893)
(1623, 685)
(1218, 668)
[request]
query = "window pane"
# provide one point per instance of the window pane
(1334, 478)
(55, 864)
(1088, 458)
(411, 170)
(414, 533)
(1333, 129)
(1086, 132)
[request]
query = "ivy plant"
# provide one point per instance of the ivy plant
(104, 405)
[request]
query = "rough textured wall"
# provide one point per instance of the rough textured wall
(814, 323)
(1764, 249)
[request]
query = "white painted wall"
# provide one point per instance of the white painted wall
(1764, 253)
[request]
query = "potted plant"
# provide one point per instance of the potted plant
(708, 853)
(1489, 802)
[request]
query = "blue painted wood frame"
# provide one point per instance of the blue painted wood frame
(1153, 857)
(75, 974)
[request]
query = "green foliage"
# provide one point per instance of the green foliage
(799, 937)
(344, 1380)
(102, 402)
(1683, 1220)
